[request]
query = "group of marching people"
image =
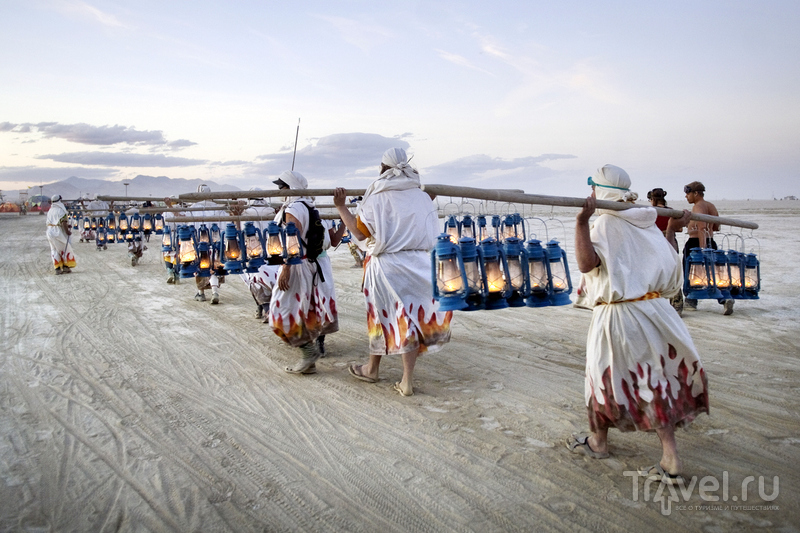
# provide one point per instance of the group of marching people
(643, 371)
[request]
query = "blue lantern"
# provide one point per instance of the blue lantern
(111, 221)
(472, 260)
(203, 234)
(274, 244)
(166, 240)
(135, 222)
(518, 277)
(496, 271)
(254, 247)
(232, 250)
(496, 227)
(451, 229)
(466, 229)
(101, 222)
(722, 273)
(293, 248)
(699, 282)
(507, 229)
(538, 277)
(94, 223)
(122, 225)
(204, 259)
(147, 224)
(483, 233)
(752, 276)
(100, 239)
(560, 281)
(447, 275)
(158, 223)
(216, 234)
(346, 237)
(187, 252)
(87, 224)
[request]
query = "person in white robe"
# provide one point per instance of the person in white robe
(58, 235)
(261, 283)
(211, 210)
(299, 312)
(400, 224)
(643, 371)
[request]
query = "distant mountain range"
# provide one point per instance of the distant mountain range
(157, 187)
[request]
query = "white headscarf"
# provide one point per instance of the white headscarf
(295, 181)
(612, 184)
(399, 177)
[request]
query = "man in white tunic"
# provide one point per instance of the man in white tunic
(298, 312)
(58, 234)
(400, 225)
(643, 371)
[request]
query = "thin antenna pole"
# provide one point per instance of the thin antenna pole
(295, 142)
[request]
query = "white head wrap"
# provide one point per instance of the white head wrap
(612, 184)
(55, 198)
(400, 175)
(294, 180)
(203, 188)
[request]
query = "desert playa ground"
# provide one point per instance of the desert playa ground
(125, 405)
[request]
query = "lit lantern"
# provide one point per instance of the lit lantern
(736, 269)
(722, 273)
(752, 276)
(466, 228)
(483, 233)
(232, 250)
(147, 223)
(187, 252)
(451, 229)
(476, 280)
(101, 222)
(254, 247)
(129, 236)
(698, 283)
(135, 222)
(538, 279)
(447, 275)
(94, 223)
(517, 264)
(87, 224)
(158, 223)
(123, 223)
(293, 250)
(111, 221)
(275, 244)
(496, 272)
(204, 260)
(345, 238)
(74, 223)
(560, 281)
(166, 240)
(100, 238)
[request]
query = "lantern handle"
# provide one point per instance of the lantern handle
(758, 244)
(465, 212)
(544, 223)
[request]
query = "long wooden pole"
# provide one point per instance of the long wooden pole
(242, 218)
(498, 195)
(566, 201)
(128, 198)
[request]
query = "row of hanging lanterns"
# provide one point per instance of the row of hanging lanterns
(146, 223)
(717, 274)
(499, 269)
(235, 251)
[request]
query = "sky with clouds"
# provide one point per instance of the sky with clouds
(530, 95)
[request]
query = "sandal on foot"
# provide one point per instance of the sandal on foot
(656, 471)
(399, 390)
(577, 444)
(355, 371)
(302, 369)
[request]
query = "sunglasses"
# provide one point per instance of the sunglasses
(687, 189)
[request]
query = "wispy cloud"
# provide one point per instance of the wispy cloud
(89, 12)
(122, 160)
(460, 61)
(97, 135)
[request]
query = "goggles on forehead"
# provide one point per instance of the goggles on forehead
(591, 182)
(687, 189)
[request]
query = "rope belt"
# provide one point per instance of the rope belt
(648, 296)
